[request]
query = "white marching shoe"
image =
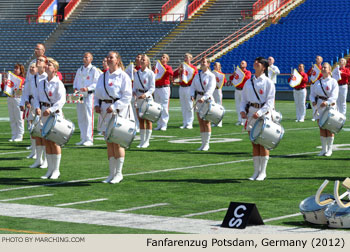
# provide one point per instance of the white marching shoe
(112, 170)
(263, 165)
(142, 138)
(119, 167)
(56, 160)
(256, 160)
(49, 167)
(206, 141)
(329, 141)
(324, 146)
(147, 138)
(39, 156)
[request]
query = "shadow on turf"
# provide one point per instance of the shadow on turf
(199, 181)
(304, 224)
(51, 183)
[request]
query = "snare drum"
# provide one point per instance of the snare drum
(121, 131)
(150, 110)
(332, 120)
(212, 112)
(276, 116)
(312, 212)
(35, 127)
(58, 129)
(266, 133)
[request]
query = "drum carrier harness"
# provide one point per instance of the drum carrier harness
(45, 104)
(255, 105)
(104, 85)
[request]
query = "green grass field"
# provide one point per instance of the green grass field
(172, 173)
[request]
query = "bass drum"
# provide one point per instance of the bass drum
(212, 112)
(266, 133)
(58, 129)
(332, 120)
(312, 212)
(120, 131)
(337, 217)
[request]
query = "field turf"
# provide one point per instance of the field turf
(172, 173)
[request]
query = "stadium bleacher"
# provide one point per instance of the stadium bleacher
(316, 27)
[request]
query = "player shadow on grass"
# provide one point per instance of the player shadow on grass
(199, 181)
(304, 224)
(24, 181)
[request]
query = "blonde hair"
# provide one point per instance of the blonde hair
(120, 64)
(329, 67)
(54, 63)
(189, 55)
(166, 55)
(89, 53)
(148, 60)
(33, 64)
(219, 65)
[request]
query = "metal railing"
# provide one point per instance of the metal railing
(230, 39)
(194, 6)
(69, 7)
(42, 8)
(169, 5)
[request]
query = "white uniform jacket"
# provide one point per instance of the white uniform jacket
(31, 86)
(208, 81)
(86, 77)
(273, 71)
(264, 88)
(52, 92)
(331, 88)
(147, 78)
(118, 85)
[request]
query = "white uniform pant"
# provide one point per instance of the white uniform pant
(238, 99)
(16, 117)
(300, 99)
(133, 99)
(218, 98)
(186, 106)
(86, 118)
(162, 96)
(341, 102)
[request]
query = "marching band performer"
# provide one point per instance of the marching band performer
(136, 68)
(203, 87)
(144, 86)
(258, 98)
(310, 73)
(246, 75)
(220, 80)
(184, 92)
(27, 102)
(299, 93)
(13, 104)
(104, 69)
(343, 86)
(273, 70)
(113, 94)
(41, 63)
(162, 92)
(325, 93)
(50, 97)
(85, 82)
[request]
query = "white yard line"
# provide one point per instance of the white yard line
(203, 213)
(142, 207)
(146, 222)
(29, 197)
(283, 217)
(80, 202)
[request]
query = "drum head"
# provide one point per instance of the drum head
(110, 127)
(257, 129)
(50, 122)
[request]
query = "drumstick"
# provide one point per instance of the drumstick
(194, 106)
